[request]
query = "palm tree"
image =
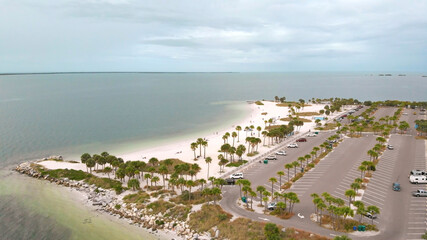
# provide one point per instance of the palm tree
(200, 143)
(108, 170)
(295, 164)
(196, 168)
(233, 135)
(288, 166)
(307, 156)
(316, 149)
(90, 163)
(205, 145)
(252, 194)
(155, 179)
(273, 181)
(208, 161)
(265, 199)
(259, 130)
(373, 210)
(264, 134)
(246, 189)
(362, 169)
(202, 182)
(241, 149)
(321, 206)
(190, 184)
(147, 176)
(260, 189)
(238, 129)
(215, 192)
(164, 171)
(280, 173)
(281, 206)
(133, 183)
(301, 160)
(84, 158)
(153, 161)
(194, 148)
(350, 194)
(355, 186)
(360, 209)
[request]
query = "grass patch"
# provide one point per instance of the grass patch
(236, 164)
(153, 188)
(282, 215)
(298, 176)
(79, 175)
(259, 103)
(421, 137)
(208, 217)
(242, 229)
(252, 154)
(106, 183)
(327, 126)
(139, 197)
(287, 119)
(179, 213)
(65, 173)
(286, 104)
(196, 198)
(307, 114)
(160, 206)
(269, 128)
(286, 185)
(162, 192)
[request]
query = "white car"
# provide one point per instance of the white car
(237, 176)
(292, 145)
(311, 135)
(283, 153)
(271, 206)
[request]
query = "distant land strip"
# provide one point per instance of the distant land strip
(44, 73)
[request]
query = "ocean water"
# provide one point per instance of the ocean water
(68, 114)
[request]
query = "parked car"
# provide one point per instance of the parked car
(271, 206)
(302, 140)
(390, 147)
(417, 172)
(416, 179)
(370, 215)
(230, 181)
(396, 186)
(419, 193)
(271, 157)
(292, 145)
(311, 135)
(237, 176)
(281, 152)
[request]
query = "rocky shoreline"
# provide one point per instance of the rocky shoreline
(107, 201)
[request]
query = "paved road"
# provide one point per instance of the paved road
(402, 216)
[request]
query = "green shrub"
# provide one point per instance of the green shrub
(236, 164)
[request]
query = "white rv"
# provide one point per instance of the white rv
(418, 179)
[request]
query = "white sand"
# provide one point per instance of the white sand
(182, 150)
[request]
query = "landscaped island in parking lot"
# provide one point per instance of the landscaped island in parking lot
(278, 157)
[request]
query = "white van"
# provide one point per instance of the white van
(418, 179)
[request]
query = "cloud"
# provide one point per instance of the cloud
(130, 35)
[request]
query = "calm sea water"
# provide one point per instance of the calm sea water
(42, 115)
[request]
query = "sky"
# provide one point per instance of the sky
(213, 36)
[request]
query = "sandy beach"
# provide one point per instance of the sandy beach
(182, 150)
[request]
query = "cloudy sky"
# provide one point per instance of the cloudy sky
(198, 35)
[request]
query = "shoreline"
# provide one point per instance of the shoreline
(146, 221)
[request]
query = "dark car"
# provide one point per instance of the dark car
(302, 140)
(230, 181)
(396, 186)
